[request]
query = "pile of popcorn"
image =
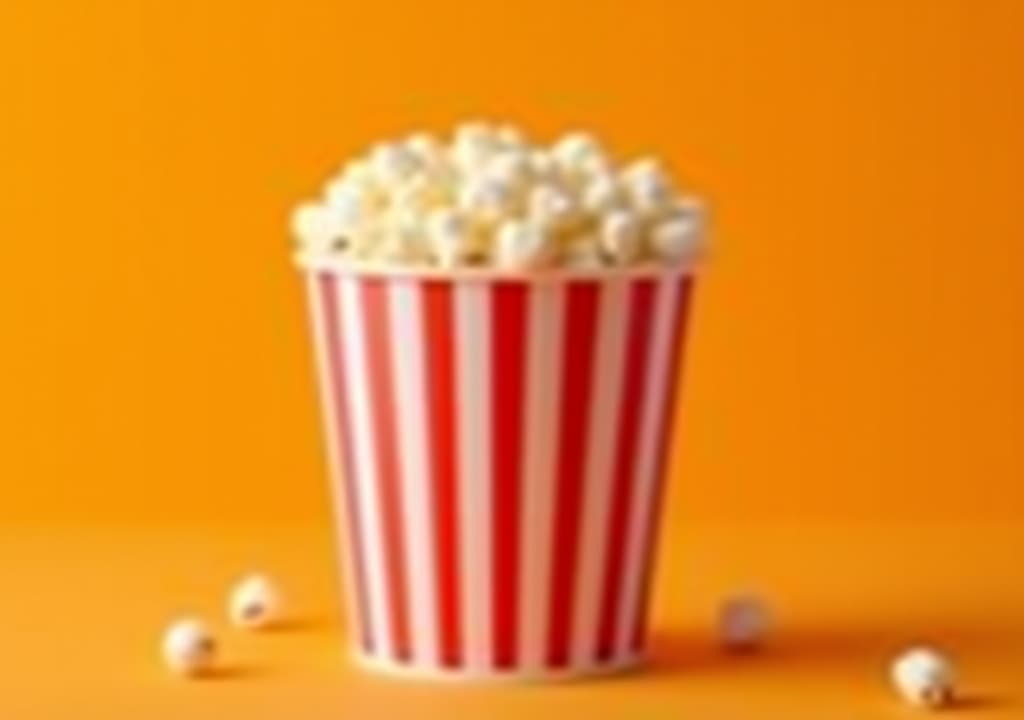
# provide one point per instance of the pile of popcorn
(491, 198)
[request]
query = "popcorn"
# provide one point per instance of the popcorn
(648, 187)
(575, 149)
(543, 166)
(398, 249)
(677, 239)
(522, 245)
(551, 207)
(392, 163)
(742, 622)
(359, 174)
(317, 226)
(349, 202)
(369, 237)
(255, 603)
(510, 137)
(651, 201)
(473, 145)
(688, 206)
(188, 647)
(644, 170)
(511, 167)
(489, 195)
(427, 149)
(474, 132)
(602, 194)
(421, 192)
(580, 158)
(450, 237)
(620, 236)
(486, 199)
(583, 254)
(402, 240)
(924, 677)
(595, 165)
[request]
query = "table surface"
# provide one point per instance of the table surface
(83, 611)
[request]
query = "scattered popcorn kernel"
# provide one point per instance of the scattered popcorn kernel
(255, 602)
(188, 647)
(924, 677)
(742, 622)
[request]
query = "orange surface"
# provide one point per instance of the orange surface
(855, 359)
(82, 626)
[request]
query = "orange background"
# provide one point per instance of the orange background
(854, 413)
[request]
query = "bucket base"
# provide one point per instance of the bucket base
(408, 671)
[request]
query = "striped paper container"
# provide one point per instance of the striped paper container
(498, 447)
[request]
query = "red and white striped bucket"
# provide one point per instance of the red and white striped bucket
(498, 450)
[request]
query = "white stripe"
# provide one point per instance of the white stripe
(644, 472)
(473, 376)
(407, 356)
(545, 321)
(606, 387)
(366, 470)
(341, 512)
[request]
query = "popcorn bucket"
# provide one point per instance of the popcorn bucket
(498, 450)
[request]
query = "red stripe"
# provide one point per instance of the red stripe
(633, 393)
(331, 319)
(681, 315)
(439, 342)
(508, 345)
(382, 412)
(578, 359)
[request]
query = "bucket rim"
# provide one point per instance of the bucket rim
(342, 267)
